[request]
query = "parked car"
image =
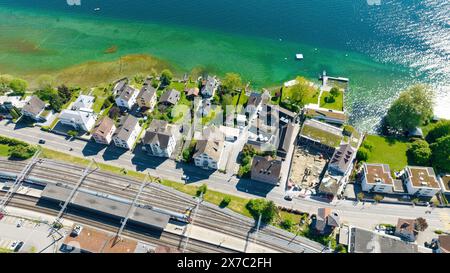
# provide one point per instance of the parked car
(185, 177)
(288, 198)
(76, 230)
(16, 246)
(41, 141)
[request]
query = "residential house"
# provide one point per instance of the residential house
(82, 119)
(34, 108)
(377, 178)
(119, 86)
(83, 101)
(421, 181)
(210, 87)
(367, 241)
(444, 180)
(127, 98)
(127, 133)
(266, 169)
(170, 97)
(341, 161)
(231, 134)
(104, 130)
(159, 139)
(444, 244)
(326, 221)
(241, 121)
(325, 115)
(8, 102)
(147, 98)
(253, 104)
(287, 137)
(405, 229)
(208, 150)
(192, 92)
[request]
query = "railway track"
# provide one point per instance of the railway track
(155, 195)
(166, 238)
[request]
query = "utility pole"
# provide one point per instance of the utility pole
(199, 200)
(131, 209)
(257, 228)
(19, 179)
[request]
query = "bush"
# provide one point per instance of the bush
(202, 190)
(22, 152)
(225, 202)
(340, 249)
(329, 99)
(166, 77)
(360, 196)
(287, 224)
(244, 171)
(378, 198)
(334, 91)
(441, 154)
(72, 133)
(420, 224)
(368, 145)
(419, 153)
(348, 130)
(362, 154)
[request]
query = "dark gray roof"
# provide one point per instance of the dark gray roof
(106, 206)
(329, 185)
(34, 106)
(287, 137)
(120, 85)
(254, 99)
(170, 96)
(365, 241)
(265, 169)
(127, 93)
(342, 158)
(147, 92)
(159, 132)
(126, 126)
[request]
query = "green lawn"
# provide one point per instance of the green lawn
(324, 137)
(312, 94)
(338, 104)
(4, 150)
(101, 94)
(5, 250)
(388, 150)
(177, 86)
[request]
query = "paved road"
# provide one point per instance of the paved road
(366, 216)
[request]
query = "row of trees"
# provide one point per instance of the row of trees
(57, 98)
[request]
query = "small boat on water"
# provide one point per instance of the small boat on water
(299, 56)
(96, 9)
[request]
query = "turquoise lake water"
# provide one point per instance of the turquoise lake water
(381, 48)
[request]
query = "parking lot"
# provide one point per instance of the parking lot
(33, 234)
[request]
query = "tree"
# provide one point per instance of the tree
(362, 154)
(412, 108)
(231, 82)
(266, 209)
(419, 153)
(65, 93)
(114, 112)
(420, 224)
(440, 129)
(202, 190)
(440, 156)
(225, 201)
(56, 103)
(334, 91)
(166, 77)
(18, 85)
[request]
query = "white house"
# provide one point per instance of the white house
(127, 132)
(82, 119)
(210, 87)
(127, 98)
(208, 153)
(83, 101)
(159, 140)
(377, 178)
(421, 181)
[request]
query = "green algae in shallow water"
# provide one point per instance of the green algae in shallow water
(55, 41)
